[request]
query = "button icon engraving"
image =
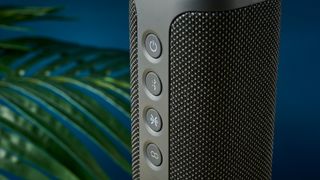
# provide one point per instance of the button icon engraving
(153, 83)
(154, 154)
(153, 45)
(154, 120)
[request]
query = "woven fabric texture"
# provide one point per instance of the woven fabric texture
(223, 68)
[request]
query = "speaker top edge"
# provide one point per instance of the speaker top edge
(180, 6)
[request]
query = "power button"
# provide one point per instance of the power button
(153, 46)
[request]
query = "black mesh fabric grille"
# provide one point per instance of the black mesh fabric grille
(223, 68)
(134, 90)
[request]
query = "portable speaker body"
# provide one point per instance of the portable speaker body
(203, 84)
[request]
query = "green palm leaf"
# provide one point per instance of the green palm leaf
(16, 143)
(65, 103)
(11, 15)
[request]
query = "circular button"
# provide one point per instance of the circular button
(153, 83)
(153, 46)
(154, 120)
(154, 155)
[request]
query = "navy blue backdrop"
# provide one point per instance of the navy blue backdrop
(297, 136)
(101, 23)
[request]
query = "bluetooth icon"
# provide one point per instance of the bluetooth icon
(153, 120)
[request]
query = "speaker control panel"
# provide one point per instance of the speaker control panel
(153, 96)
(153, 100)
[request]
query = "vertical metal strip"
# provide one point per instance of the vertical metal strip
(134, 89)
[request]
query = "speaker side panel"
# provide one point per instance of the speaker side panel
(222, 83)
(134, 89)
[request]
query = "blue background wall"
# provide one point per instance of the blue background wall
(297, 136)
(101, 23)
(297, 140)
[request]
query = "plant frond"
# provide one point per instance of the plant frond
(68, 104)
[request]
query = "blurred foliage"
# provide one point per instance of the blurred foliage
(64, 108)
(10, 16)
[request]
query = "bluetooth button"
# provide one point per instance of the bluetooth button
(154, 120)
(153, 84)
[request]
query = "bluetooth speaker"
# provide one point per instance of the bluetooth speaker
(203, 84)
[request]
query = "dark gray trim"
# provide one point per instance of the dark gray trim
(210, 5)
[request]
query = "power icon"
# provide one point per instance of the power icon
(153, 46)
